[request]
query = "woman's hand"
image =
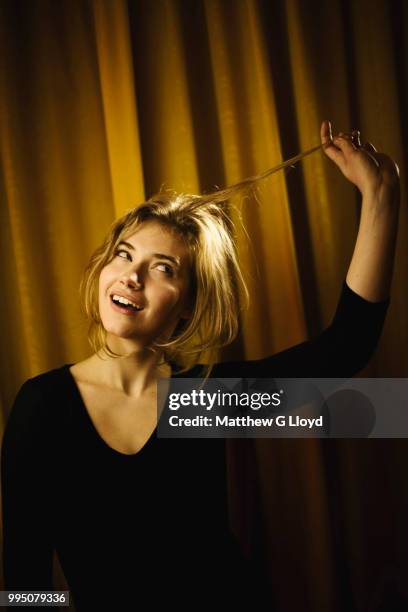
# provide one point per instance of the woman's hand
(375, 174)
(377, 177)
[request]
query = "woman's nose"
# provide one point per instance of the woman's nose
(132, 280)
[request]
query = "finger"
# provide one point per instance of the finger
(330, 149)
(353, 138)
(326, 132)
(328, 146)
(389, 165)
(369, 146)
(370, 150)
(345, 144)
(381, 159)
(355, 134)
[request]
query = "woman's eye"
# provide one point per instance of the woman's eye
(122, 254)
(165, 268)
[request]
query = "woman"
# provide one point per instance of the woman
(131, 515)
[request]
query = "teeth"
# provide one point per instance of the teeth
(122, 300)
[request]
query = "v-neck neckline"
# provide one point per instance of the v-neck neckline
(126, 456)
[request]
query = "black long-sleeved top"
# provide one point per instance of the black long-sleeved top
(152, 524)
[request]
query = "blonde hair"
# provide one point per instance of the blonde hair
(205, 225)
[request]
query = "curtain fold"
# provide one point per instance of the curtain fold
(251, 142)
(101, 104)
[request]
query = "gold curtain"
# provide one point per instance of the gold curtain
(104, 101)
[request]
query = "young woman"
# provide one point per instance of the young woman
(134, 517)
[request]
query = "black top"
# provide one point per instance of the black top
(152, 523)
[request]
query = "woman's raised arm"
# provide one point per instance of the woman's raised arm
(376, 176)
(343, 349)
(346, 346)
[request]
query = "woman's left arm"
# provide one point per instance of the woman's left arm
(376, 176)
(348, 343)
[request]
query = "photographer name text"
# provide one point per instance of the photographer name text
(246, 421)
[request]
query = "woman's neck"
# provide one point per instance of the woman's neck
(134, 375)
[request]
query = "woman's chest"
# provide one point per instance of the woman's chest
(123, 423)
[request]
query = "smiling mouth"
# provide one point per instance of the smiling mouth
(126, 307)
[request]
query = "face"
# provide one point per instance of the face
(151, 269)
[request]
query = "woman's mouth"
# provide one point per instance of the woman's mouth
(124, 306)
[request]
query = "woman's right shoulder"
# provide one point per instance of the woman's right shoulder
(33, 419)
(43, 382)
(39, 394)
